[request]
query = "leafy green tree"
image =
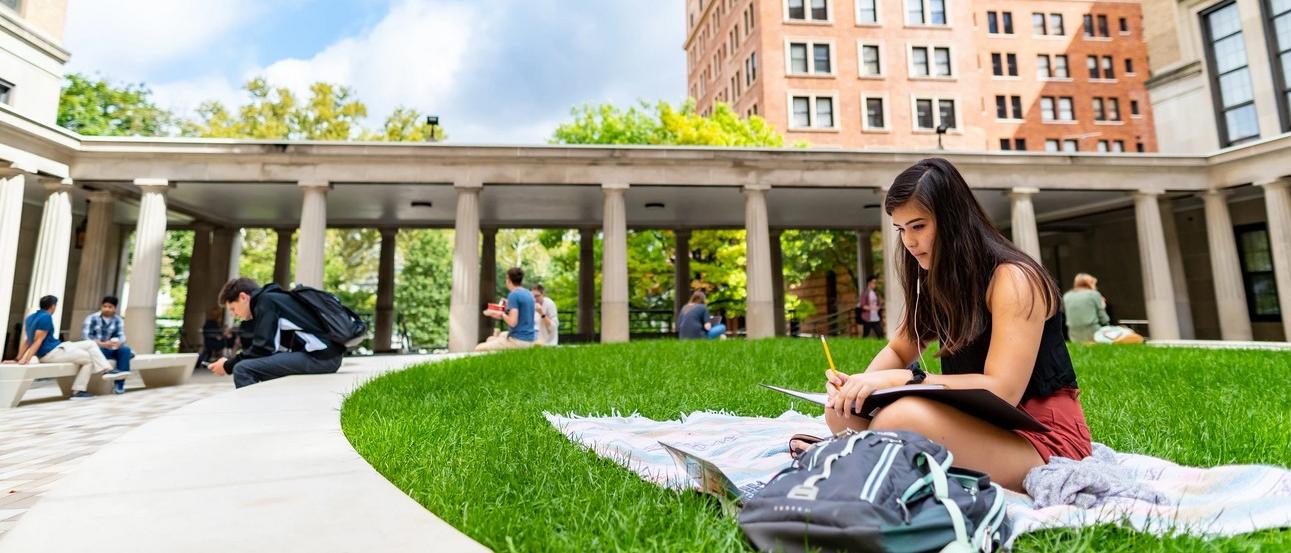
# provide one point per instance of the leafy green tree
(424, 284)
(663, 124)
(96, 107)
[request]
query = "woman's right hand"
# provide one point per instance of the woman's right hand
(834, 381)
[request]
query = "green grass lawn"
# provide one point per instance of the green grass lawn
(467, 439)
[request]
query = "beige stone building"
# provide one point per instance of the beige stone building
(1051, 75)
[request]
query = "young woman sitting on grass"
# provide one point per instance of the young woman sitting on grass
(995, 312)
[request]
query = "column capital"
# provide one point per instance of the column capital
(467, 184)
(149, 184)
(776, 232)
(757, 187)
(489, 231)
(16, 168)
(1274, 184)
(1020, 191)
(314, 184)
(100, 196)
(285, 230)
(681, 232)
(1150, 193)
(53, 185)
(1213, 192)
(615, 186)
(203, 226)
(388, 231)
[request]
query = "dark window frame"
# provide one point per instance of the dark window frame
(1208, 44)
(1247, 282)
(1276, 51)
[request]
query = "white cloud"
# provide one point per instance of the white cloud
(135, 36)
(183, 97)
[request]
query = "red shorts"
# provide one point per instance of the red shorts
(1068, 434)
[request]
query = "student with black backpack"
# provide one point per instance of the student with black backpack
(289, 333)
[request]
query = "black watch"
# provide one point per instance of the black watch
(917, 374)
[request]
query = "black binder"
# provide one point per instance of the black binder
(977, 402)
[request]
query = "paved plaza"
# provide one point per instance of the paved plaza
(46, 437)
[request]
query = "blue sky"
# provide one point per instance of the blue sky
(495, 71)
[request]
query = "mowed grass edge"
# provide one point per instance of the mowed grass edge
(466, 438)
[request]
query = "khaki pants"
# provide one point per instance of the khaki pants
(85, 353)
(499, 343)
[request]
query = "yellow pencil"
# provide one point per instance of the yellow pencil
(825, 344)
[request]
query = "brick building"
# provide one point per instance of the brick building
(1052, 75)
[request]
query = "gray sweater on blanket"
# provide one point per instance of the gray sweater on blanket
(1086, 483)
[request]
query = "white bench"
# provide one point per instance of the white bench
(156, 370)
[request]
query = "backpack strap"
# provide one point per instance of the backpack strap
(941, 490)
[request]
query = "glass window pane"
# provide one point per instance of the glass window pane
(938, 11)
(914, 12)
(1089, 25)
(1224, 21)
(820, 53)
(1008, 22)
(1230, 54)
(1013, 64)
(1282, 30)
(943, 61)
(1050, 145)
(798, 58)
(923, 113)
(1092, 63)
(797, 10)
(1046, 106)
(1098, 109)
(825, 113)
(1042, 67)
(1235, 88)
(1037, 23)
(1001, 107)
(1017, 107)
(1118, 146)
(870, 59)
(1241, 123)
(874, 112)
(1064, 109)
(1006, 144)
(1107, 68)
(1055, 24)
(1265, 289)
(921, 61)
(1070, 146)
(868, 13)
(801, 111)
(1102, 145)
(1060, 67)
(992, 23)
(997, 66)
(819, 11)
(1114, 109)
(1280, 6)
(1102, 25)
(947, 113)
(1020, 144)
(1286, 68)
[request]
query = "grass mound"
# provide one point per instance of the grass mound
(467, 439)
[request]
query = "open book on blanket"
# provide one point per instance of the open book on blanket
(978, 402)
(710, 479)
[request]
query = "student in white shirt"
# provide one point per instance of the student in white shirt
(545, 317)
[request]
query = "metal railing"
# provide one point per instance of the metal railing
(836, 324)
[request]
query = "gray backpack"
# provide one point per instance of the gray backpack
(877, 491)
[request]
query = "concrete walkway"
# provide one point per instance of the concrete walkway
(264, 468)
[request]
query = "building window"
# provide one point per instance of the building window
(1280, 47)
(871, 61)
(1042, 69)
(808, 10)
(1070, 145)
(1002, 105)
(1134, 108)
(6, 92)
(1102, 146)
(1089, 26)
(1038, 24)
(1118, 146)
(1102, 26)
(1060, 70)
(922, 66)
(867, 11)
(995, 21)
(748, 20)
(751, 69)
(1065, 111)
(1056, 109)
(1020, 144)
(1230, 76)
(13, 4)
(1051, 145)
(1138, 147)
(933, 112)
(1006, 144)
(1092, 64)
(1047, 109)
(1055, 25)
(1257, 272)
(1125, 26)
(1113, 109)
(1129, 66)
(925, 12)
(812, 112)
(875, 117)
(1004, 64)
(1099, 114)
(820, 61)
(1108, 68)
(923, 116)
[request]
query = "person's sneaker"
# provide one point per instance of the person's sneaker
(81, 395)
(115, 374)
(119, 387)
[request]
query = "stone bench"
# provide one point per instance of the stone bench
(156, 370)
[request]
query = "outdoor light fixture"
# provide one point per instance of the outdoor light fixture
(654, 205)
(941, 129)
(871, 206)
(423, 203)
(432, 121)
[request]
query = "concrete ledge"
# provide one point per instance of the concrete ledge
(263, 468)
(1221, 344)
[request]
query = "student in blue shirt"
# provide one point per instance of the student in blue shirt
(40, 342)
(518, 316)
(108, 330)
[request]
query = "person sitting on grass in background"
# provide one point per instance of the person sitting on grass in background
(693, 322)
(108, 330)
(518, 316)
(995, 312)
(286, 336)
(40, 343)
(545, 317)
(1086, 309)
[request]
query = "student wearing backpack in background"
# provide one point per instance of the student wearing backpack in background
(287, 336)
(995, 312)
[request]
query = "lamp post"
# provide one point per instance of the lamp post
(941, 130)
(432, 121)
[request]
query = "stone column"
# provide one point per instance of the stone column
(313, 234)
(1158, 290)
(234, 267)
(199, 299)
(681, 272)
(11, 192)
(760, 318)
(777, 284)
(864, 257)
(384, 331)
(145, 269)
(1277, 206)
(1182, 303)
(1025, 235)
(49, 272)
(221, 252)
(587, 283)
(464, 319)
(1225, 269)
(614, 265)
(91, 281)
(282, 258)
(488, 278)
(893, 295)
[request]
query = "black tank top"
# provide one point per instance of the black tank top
(1052, 371)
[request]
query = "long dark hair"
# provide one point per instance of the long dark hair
(966, 251)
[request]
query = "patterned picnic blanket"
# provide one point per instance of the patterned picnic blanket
(1205, 502)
